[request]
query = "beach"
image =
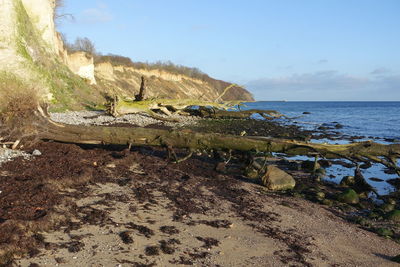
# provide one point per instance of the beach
(113, 206)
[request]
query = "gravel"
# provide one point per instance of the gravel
(7, 154)
(101, 118)
(97, 118)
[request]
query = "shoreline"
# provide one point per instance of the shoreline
(186, 213)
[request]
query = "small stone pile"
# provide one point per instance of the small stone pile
(101, 118)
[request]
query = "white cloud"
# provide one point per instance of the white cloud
(326, 85)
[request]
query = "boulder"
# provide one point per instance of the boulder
(251, 173)
(276, 179)
(308, 165)
(348, 181)
(325, 163)
(387, 207)
(349, 196)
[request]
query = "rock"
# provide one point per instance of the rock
(276, 179)
(325, 163)
(320, 172)
(36, 153)
(320, 195)
(251, 173)
(394, 215)
(366, 165)
(349, 196)
(348, 181)
(387, 207)
(394, 182)
(327, 202)
(384, 232)
(293, 166)
(308, 165)
(389, 171)
(373, 215)
(220, 167)
(338, 126)
(306, 112)
(375, 179)
(111, 166)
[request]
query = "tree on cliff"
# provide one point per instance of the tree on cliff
(81, 44)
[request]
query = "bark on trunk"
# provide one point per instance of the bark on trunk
(46, 129)
(140, 96)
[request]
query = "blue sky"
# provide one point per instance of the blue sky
(282, 49)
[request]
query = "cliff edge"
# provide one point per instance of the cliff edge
(33, 52)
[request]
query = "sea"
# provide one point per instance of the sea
(379, 121)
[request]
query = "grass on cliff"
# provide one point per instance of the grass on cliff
(238, 93)
(16, 96)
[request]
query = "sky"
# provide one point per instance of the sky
(295, 50)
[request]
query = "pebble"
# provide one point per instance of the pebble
(36, 153)
(101, 118)
(9, 154)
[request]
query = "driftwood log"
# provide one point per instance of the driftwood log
(140, 96)
(38, 124)
(206, 112)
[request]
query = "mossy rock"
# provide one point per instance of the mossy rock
(373, 215)
(349, 196)
(320, 195)
(308, 165)
(348, 181)
(327, 202)
(387, 207)
(384, 232)
(276, 179)
(394, 215)
(251, 173)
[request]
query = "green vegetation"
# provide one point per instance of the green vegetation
(167, 66)
(349, 196)
(116, 60)
(69, 91)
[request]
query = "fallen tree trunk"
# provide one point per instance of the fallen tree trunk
(39, 125)
(205, 112)
(49, 130)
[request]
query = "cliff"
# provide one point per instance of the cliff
(32, 51)
(125, 80)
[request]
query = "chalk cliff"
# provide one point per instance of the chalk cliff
(125, 80)
(33, 51)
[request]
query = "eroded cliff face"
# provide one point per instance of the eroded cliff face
(125, 80)
(82, 64)
(32, 50)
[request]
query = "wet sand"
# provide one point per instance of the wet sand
(108, 206)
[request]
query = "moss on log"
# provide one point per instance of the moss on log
(118, 107)
(40, 126)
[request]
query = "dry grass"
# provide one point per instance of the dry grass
(15, 95)
(17, 104)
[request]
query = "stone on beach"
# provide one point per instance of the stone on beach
(349, 196)
(276, 179)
